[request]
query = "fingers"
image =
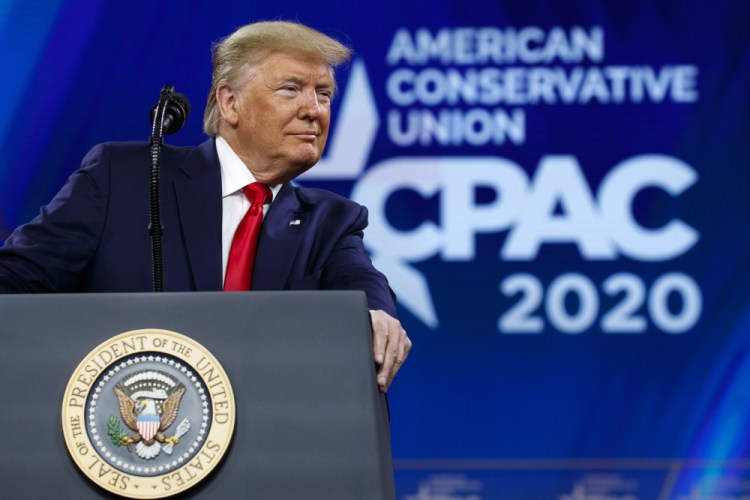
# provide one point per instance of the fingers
(391, 347)
(379, 335)
(396, 354)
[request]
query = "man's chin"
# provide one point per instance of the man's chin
(295, 169)
(306, 161)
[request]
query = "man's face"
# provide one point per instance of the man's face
(278, 123)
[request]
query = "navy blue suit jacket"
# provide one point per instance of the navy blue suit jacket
(93, 236)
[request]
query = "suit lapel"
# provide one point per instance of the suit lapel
(198, 192)
(280, 237)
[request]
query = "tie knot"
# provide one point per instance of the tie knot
(257, 193)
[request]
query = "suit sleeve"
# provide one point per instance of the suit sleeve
(349, 267)
(52, 252)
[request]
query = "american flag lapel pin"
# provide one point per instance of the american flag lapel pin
(295, 223)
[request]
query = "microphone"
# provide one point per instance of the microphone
(175, 114)
(167, 117)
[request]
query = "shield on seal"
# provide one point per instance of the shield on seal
(148, 426)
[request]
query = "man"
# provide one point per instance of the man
(268, 114)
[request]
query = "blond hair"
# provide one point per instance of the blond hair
(250, 44)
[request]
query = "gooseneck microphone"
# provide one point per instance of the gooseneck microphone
(167, 117)
(176, 112)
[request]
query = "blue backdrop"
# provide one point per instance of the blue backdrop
(557, 193)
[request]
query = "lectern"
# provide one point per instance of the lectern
(309, 420)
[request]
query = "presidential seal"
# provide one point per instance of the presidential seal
(148, 414)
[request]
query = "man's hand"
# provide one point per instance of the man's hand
(390, 345)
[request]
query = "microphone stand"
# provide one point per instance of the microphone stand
(155, 227)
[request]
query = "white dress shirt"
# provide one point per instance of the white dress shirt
(234, 176)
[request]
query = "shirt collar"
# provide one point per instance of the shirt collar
(234, 173)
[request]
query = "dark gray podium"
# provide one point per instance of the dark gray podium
(310, 422)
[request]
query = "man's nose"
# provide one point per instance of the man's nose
(310, 106)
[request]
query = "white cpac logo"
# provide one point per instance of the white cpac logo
(602, 226)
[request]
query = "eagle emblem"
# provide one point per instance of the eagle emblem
(149, 402)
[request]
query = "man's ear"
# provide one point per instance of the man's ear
(227, 100)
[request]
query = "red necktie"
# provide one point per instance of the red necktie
(242, 254)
